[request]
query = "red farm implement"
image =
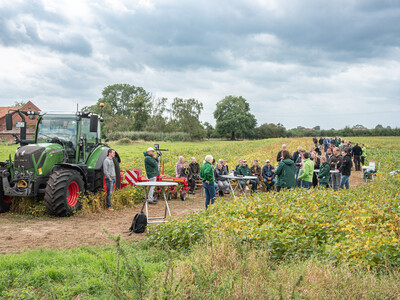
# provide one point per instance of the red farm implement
(130, 177)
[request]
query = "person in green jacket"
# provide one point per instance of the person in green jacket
(324, 172)
(240, 163)
(285, 172)
(151, 166)
(207, 177)
(364, 154)
(306, 173)
(244, 170)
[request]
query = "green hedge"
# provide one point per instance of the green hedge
(150, 136)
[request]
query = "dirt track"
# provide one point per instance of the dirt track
(18, 232)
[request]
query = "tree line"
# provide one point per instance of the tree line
(132, 109)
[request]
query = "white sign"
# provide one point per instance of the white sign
(20, 124)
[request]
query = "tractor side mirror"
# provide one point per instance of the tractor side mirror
(94, 123)
(9, 124)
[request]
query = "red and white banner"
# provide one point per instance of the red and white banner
(131, 176)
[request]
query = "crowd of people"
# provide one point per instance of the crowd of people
(328, 164)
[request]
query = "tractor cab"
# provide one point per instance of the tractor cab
(72, 131)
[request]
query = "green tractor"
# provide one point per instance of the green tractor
(64, 160)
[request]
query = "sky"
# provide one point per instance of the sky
(306, 62)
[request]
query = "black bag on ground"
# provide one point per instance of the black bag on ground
(139, 223)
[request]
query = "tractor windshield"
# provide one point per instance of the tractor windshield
(62, 127)
(58, 128)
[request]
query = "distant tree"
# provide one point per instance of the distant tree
(209, 129)
(388, 127)
(317, 127)
(158, 119)
(20, 103)
(270, 130)
(233, 117)
(359, 127)
(185, 113)
(379, 126)
(127, 107)
(347, 131)
(141, 109)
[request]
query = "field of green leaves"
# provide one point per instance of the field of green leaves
(297, 244)
(360, 225)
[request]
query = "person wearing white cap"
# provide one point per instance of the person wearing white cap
(268, 174)
(151, 166)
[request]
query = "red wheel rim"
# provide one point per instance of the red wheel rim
(73, 194)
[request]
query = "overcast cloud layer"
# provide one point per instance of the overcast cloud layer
(327, 63)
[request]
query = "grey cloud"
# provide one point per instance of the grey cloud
(194, 35)
(25, 16)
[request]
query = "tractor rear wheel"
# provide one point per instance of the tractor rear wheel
(63, 192)
(5, 201)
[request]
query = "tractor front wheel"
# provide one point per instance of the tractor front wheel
(63, 192)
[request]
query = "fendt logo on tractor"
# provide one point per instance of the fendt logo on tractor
(63, 161)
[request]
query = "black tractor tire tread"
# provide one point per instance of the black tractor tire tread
(55, 194)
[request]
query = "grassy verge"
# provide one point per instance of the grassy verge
(212, 270)
(118, 271)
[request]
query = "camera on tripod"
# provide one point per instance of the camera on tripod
(158, 150)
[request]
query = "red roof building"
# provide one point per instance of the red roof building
(30, 124)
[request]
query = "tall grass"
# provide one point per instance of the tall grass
(225, 269)
(214, 269)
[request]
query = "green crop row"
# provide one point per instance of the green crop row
(360, 225)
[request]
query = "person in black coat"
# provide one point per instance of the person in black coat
(357, 151)
(187, 173)
(279, 156)
(345, 169)
(268, 174)
(296, 154)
